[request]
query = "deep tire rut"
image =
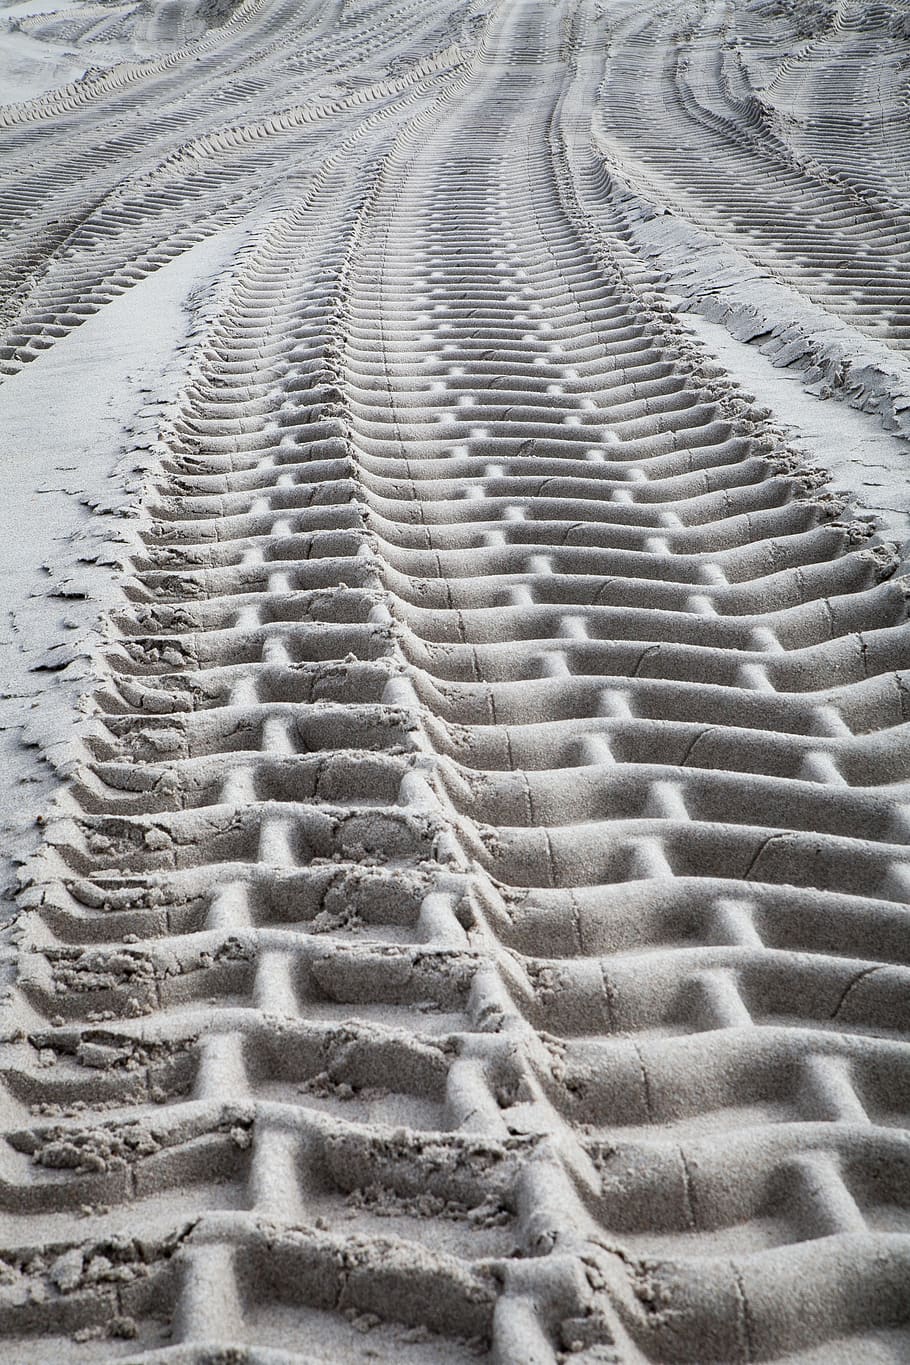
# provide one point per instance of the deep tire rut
(477, 925)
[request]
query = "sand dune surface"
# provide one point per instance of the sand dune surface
(454, 678)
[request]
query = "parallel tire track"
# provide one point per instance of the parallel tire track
(678, 95)
(476, 928)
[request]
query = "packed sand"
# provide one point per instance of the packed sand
(455, 682)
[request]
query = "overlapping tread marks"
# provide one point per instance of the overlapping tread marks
(491, 858)
(842, 81)
(88, 216)
(677, 99)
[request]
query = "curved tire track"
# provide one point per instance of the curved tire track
(476, 924)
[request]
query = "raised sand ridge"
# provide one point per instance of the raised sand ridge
(471, 921)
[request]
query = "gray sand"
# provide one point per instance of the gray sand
(454, 677)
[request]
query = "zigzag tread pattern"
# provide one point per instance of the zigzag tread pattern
(477, 927)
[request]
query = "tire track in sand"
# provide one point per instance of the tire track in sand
(477, 928)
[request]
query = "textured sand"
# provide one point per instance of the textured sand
(456, 693)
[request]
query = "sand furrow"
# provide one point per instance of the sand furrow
(473, 921)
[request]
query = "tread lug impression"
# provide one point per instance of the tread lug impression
(472, 919)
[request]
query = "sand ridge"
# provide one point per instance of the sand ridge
(473, 923)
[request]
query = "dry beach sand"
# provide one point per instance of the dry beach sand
(455, 675)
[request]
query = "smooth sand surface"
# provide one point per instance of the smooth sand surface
(454, 682)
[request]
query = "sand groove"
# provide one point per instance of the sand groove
(830, 229)
(475, 927)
